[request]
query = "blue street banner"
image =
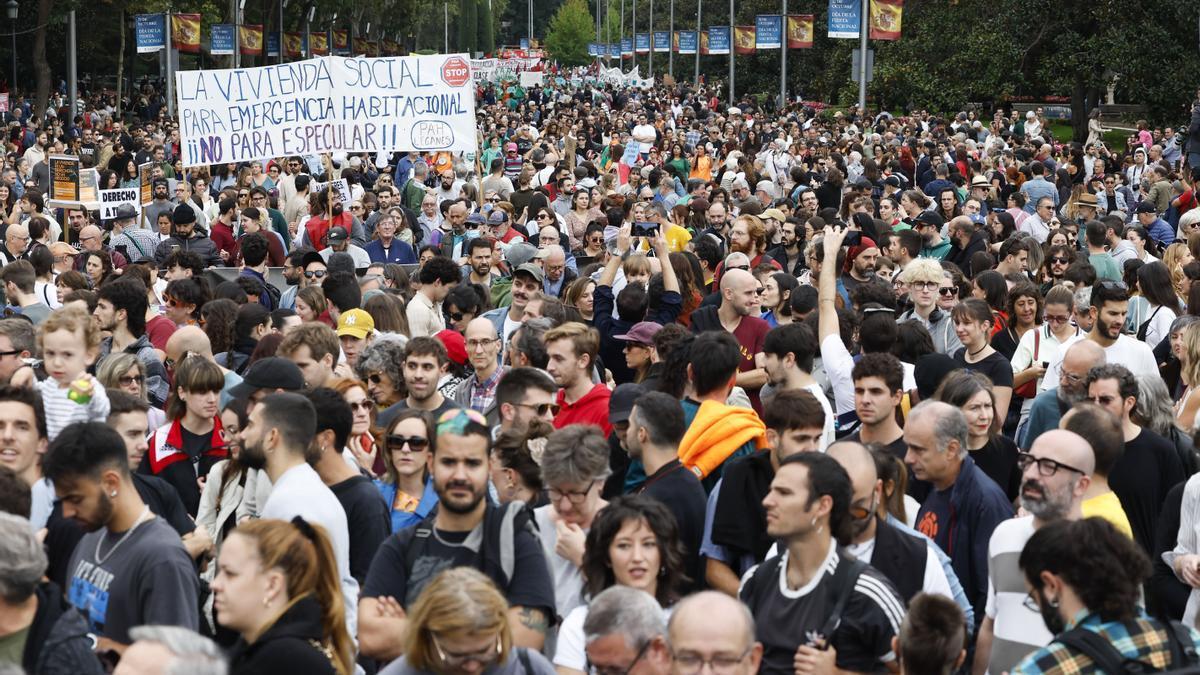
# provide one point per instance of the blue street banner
(718, 40)
(273, 43)
(626, 46)
(614, 51)
(524, 43)
(662, 41)
(845, 18)
(641, 43)
(768, 31)
(592, 49)
(222, 39)
(687, 42)
(151, 32)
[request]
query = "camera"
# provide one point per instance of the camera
(644, 229)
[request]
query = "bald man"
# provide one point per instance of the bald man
(907, 560)
(727, 645)
(1064, 385)
(193, 341)
(1056, 474)
(91, 239)
(738, 314)
(16, 242)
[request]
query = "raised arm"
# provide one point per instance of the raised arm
(670, 282)
(827, 319)
(614, 261)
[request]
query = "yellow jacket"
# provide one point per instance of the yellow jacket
(716, 433)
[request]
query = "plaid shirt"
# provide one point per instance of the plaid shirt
(1142, 639)
(693, 138)
(483, 394)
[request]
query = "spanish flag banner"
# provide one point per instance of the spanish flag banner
(318, 43)
(391, 48)
(293, 45)
(373, 48)
(185, 32)
(800, 31)
(743, 40)
(341, 42)
(250, 40)
(885, 19)
(704, 43)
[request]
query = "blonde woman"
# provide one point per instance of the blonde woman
(1187, 406)
(1175, 257)
(460, 624)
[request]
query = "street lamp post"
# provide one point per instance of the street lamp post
(11, 8)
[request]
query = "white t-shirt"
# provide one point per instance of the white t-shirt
(1017, 630)
(935, 577)
(1160, 320)
(1128, 351)
(839, 364)
(827, 436)
(570, 651)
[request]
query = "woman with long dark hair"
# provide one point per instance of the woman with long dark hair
(776, 297)
(633, 542)
(1154, 280)
(1024, 311)
(973, 321)
(991, 287)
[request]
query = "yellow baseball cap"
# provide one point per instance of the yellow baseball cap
(355, 323)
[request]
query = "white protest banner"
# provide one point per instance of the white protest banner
(532, 78)
(111, 200)
(327, 104)
(342, 187)
(483, 70)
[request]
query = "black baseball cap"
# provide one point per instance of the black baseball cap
(272, 372)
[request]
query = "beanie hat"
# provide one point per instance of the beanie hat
(183, 215)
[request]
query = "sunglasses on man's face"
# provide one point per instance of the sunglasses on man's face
(948, 291)
(314, 274)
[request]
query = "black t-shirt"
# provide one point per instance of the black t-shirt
(1141, 477)
(529, 586)
(1005, 342)
(164, 502)
(785, 620)
(680, 491)
(368, 519)
(998, 459)
(997, 368)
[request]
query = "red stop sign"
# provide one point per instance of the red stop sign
(456, 72)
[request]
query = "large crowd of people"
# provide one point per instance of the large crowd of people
(655, 382)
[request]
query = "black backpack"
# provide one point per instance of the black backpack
(1184, 658)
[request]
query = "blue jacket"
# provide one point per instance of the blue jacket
(1161, 232)
(1035, 189)
(402, 519)
(400, 253)
(960, 520)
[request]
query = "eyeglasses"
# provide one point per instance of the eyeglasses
(1060, 260)
(739, 267)
(610, 670)
(575, 497)
(243, 195)
(948, 291)
(356, 207)
(542, 409)
(688, 662)
(135, 379)
(364, 404)
(1030, 603)
(477, 344)
(11, 352)
(482, 656)
(1046, 467)
(413, 443)
(922, 285)
(314, 274)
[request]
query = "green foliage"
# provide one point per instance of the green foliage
(569, 32)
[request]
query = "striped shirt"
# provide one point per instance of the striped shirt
(62, 411)
(1018, 630)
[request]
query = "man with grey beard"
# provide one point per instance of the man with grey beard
(1056, 473)
(1050, 405)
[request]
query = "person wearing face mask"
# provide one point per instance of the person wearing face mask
(1085, 578)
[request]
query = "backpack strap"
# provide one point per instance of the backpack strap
(1183, 648)
(412, 542)
(1099, 650)
(526, 662)
(844, 579)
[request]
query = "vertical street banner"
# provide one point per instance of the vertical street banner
(64, 177)
(626, 47)
(845, 18)
(641, 43)
(675, 42)
(250, 40)
(719, 40)
(614, 50)
(885, 19)
(150, 31)
(319, 44)
(326, 104)
(662, 41)
(743, 40)
(687, 42)
(293, 45)
(221, 39)
(768, 31)
(273, 43)
(4, 102)
(341, 42)
(146, 182)
(185, 32)
(593, 49)
(800, 31)
(704, 43)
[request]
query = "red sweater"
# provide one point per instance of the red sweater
(591, 408)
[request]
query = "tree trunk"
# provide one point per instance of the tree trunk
(121, 65)
(1079, 109)
(41, 67)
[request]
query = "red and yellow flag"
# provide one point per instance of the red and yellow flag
(293, 45)
(360, 46)
(318, 44)
(885, 19)
(250, 40)
(704, 43)
(800, 31)
(185, 32)
(341, 41)
(743, 40)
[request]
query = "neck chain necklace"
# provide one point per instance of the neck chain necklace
(971, 353)
(141, 519)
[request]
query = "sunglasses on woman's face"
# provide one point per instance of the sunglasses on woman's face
(314, 274)
(397, 443)
(948, 291)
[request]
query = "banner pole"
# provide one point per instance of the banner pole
(862, 61)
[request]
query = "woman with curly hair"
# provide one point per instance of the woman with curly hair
(633, 542)
(217, 318)
(381, 366)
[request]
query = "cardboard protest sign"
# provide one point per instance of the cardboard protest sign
(328, 104)
(340, 185)
(146, 182)
(64, 178)
(111, 200)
